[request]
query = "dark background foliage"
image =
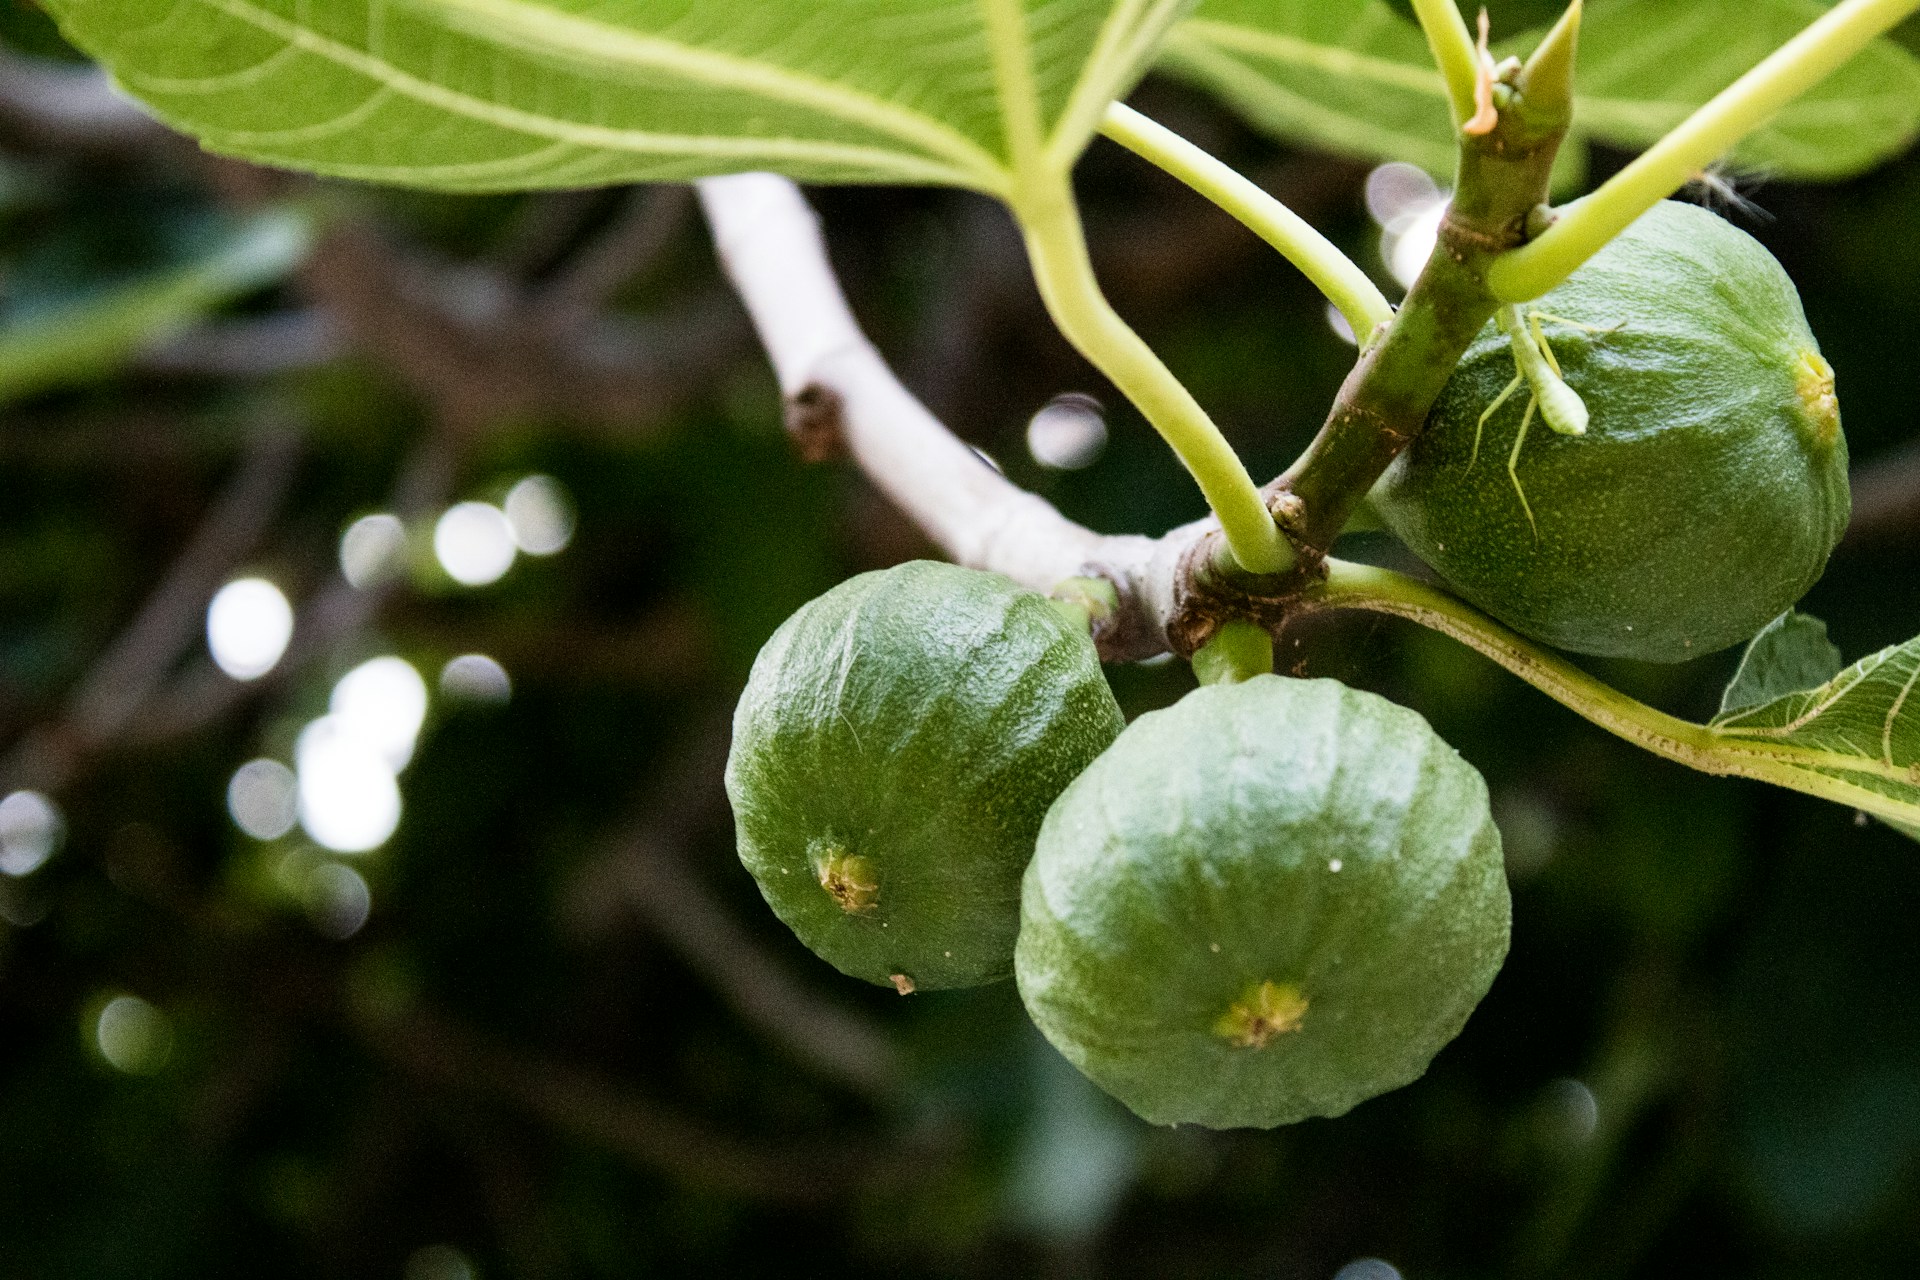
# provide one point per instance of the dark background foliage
(570, 1040)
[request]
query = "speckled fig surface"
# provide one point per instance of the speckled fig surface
(1711, 483)
(898, 743)
(1271, 901)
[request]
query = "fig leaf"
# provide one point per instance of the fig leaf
(1355, 77)
(1858, 734)
(1792, 653)
(497, 95)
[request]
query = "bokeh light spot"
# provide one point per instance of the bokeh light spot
(1408, 206)
(439, 1262)
(133, 1036)
(249, 624)
(541, 515)
(338, 900)
(263, 799)
(383, 700)
(474, 677)
(474, 543)
(349, 797)
(30, 831)
(370, 549)
(1069, 433)
(1368, 1269)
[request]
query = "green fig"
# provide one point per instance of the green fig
(1696, 498)
(1271, 901)
(895, 750)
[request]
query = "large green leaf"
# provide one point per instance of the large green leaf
(1354, 77)
(1855, 738)
(514, 94)
(82, 339)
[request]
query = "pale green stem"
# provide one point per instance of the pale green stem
(1698, 746)
(1454, 52)
(1238, 651)
(1057, 248)
(1345, 285)
(1585, 226)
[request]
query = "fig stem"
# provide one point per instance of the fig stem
(1503, 176)
(1585, 226)
(1454, 52)
(1238, 651)
(1343, 283)
(1698, 746)
(1057, 249)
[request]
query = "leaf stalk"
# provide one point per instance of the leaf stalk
(1337, 277)
(1698, 746)
(1454, 52)
(1057, 249)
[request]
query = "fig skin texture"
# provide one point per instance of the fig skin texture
(895, 750)
(1273, 900)
(1711, 483)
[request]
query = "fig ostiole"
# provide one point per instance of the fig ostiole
(1273, 900)
(1708, 487)
(895, 749)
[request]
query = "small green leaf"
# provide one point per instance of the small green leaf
(517, 94)
(1791, 654)
(86, 338)
(1353, 77)
(1854, 739)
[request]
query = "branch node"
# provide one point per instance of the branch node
(816, 424)
(1205, 597)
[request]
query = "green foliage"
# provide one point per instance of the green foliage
(1274, 900)
(1791, 654)
(89, 336)
(488, 95)
(898, 743)
(1858, 733)
(1708, 492)
(1352, 76)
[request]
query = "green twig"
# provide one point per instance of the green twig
(1797, 66)
(1238, 651)
(1453, 52)
(1057, 248)
(1383, 405)
(1332, 272)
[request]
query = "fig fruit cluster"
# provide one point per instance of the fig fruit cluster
(1281, 897)
(1272, 901)
(1708, 489)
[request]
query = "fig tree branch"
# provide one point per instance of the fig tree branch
(837, 385)
(772, 248)
(1383, 405)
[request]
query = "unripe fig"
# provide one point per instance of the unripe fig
(1705, 495)
(1271, 901)
(897, 745)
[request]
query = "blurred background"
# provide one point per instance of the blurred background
(377, 575)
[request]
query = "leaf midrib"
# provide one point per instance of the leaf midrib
(967, 164)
